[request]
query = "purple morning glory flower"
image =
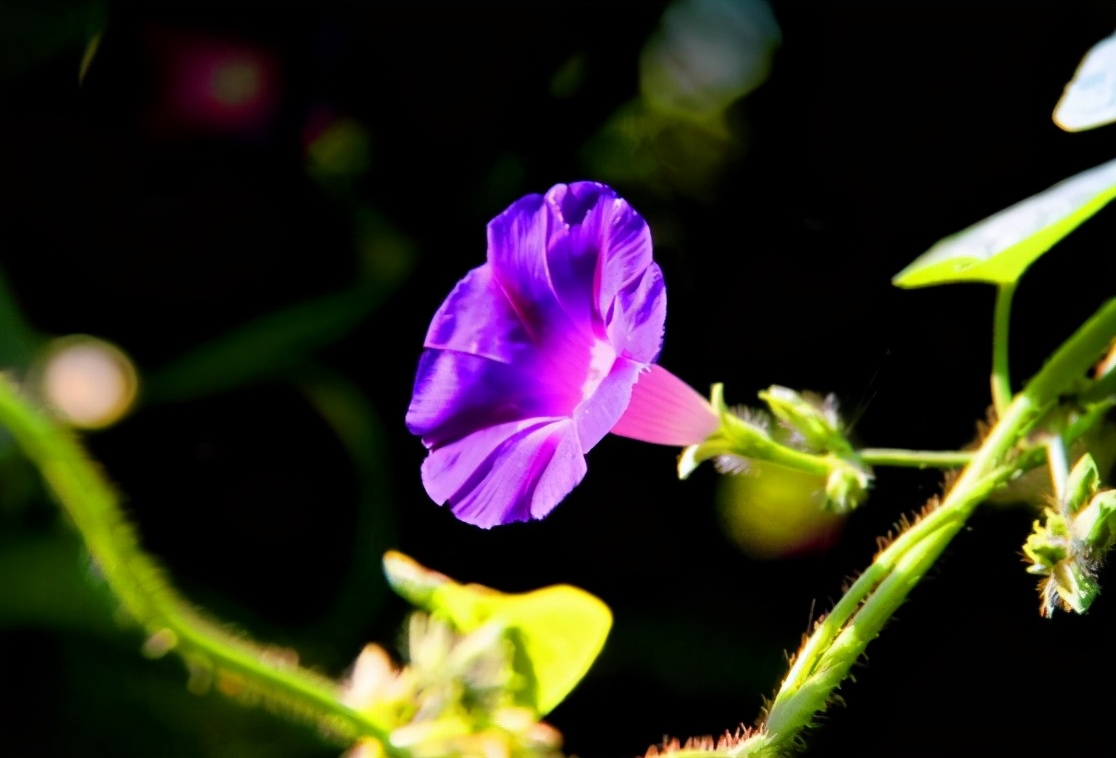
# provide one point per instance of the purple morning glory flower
(534, 356)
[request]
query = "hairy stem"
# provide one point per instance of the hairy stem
(883, 456)
(840, 638)
(146, 595)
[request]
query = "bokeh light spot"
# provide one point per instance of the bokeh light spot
(707, 54)
(235, 82)
(90, 383)
(338, 149)
(772, 512)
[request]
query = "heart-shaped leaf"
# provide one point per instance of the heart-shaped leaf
(1000, 248)
(1090, 98)
(557, 631)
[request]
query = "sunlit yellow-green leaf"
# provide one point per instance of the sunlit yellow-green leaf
(999, 249)
(558, 631)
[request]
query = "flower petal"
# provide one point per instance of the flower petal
(637, 317)
(627, 285)
(600, 412)
(457, 394)
(626, 242)
(508, 472)
(517, 244)
(572, 258)
(477, 319)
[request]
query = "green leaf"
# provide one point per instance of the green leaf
(1095, 524)
(813, 418)
(558, 631)
(999, 249)
(1081, 485)
(360, 430)
(18, 341)
(1090, 98)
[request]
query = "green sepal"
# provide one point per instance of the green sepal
(1069, 544)
(999, 249)
(1095, 524)
(1076, 587)
(1047, 544)
(1092, 513)
(846, 487)
(846, 479)
(734, 436)
(1081, 484)
(557, 631)
(815, 421)
(1069, 582)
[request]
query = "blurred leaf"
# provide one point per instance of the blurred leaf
(357, 425)
(264, 347)
(504, 179)
(569, 77)
(90, 53)
(44, 586)
(20, 483)
(663, 152)
(706, 55)
(1090, 98)
(18, 341)
(558, 631)
(1000, 248)
(31, 31)
(105, 687)
(386, 254)
(343, 151)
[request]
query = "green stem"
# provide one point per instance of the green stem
(882, 456)
(1058, 464)
(841, 637)
(1001, 376)
(839, 645)
(147, 596)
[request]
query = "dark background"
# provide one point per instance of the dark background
(163, 228)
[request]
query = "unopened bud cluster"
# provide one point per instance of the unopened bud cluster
(806, 436)
(1067, 545)
(455, 697)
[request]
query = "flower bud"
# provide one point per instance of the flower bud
(1067, 546)
(814, 420)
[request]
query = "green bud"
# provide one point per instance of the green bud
(1075, 587)
(735, 436)
(1095, 524)
(1067, 546)
(845, 487)
(1081, 484)
(817, 449)
(814, 419)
